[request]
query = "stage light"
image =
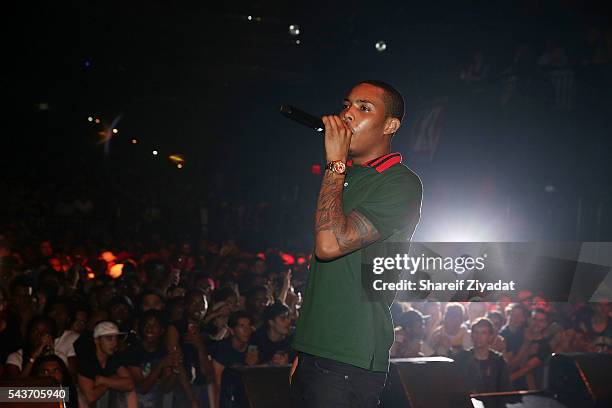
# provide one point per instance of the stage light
(380, 46)
(90, 119)
(154, 152)
(108, 256)
(249, 18)
(176, 158)
(179, 166)
(288, 259)
(115, 131)
(97, 120)
(294, 29)
(116, 271)
(134, 141)
(298, 42)
(470, 221)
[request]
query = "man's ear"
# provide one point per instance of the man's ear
(391, 126)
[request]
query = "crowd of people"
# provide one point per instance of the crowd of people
(152, 325)
(163, 324)
(505, 345)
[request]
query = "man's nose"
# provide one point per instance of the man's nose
(348, 115)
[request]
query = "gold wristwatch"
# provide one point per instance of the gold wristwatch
(336, 166)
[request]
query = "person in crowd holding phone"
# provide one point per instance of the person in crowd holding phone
(40, 332)
(186, 335)
(225, 302)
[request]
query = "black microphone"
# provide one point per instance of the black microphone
(306, 119)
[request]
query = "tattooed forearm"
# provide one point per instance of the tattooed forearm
(349, 232)
(329, 215)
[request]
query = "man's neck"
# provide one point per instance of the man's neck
(274, 336)
(481, 353)
(238, 345)
(371, 155)
(102, 357)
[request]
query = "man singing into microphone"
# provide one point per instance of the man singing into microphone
(342, 338)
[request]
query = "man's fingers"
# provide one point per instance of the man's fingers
(333, 125)
(341, 124)
(325, 121)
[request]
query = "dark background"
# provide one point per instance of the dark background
(203, 81)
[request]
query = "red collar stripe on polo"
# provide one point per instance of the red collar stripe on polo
(375, 162)
(388, 162)
(382, 163)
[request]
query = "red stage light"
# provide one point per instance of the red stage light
(288, 259)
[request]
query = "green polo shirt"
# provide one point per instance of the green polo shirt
(336, 321)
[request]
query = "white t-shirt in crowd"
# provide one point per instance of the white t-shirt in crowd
(63, 348)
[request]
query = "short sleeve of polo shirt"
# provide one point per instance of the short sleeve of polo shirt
(394, 204)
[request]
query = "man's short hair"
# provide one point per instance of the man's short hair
(392, 98)
(454, 308)
(274, 310)
(409, 318)
(232, 321)
(485, 322)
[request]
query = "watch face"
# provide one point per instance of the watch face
(339, 167)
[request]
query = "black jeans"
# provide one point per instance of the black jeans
(323, 383)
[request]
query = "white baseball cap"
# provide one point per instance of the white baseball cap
(106, 328)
